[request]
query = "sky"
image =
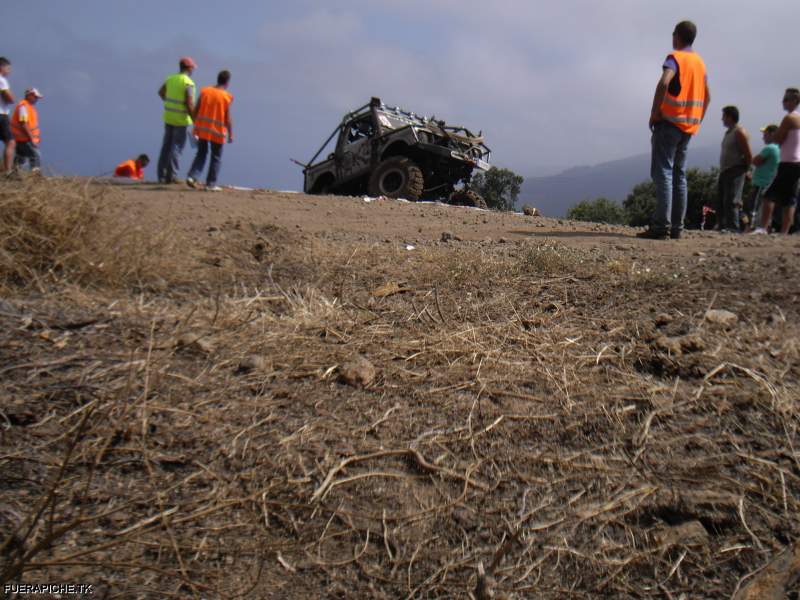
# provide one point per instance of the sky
(552, 85)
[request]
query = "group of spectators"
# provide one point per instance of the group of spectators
(19, 124)
(679, 107)
(775, 178)
(209, 114)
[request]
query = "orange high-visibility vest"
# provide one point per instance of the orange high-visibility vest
(685, 110)
(32, 121)
(210, 121)
(129, 168)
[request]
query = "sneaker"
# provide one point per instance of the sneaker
(177, 181)
(213, 188)
(191, 182)
(649, 234)
(758, 231)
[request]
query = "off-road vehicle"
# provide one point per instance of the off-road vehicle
(386, 151)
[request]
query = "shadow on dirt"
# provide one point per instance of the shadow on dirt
(570, 234)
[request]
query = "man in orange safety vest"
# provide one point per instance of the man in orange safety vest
(680, 103)
(25, 127)
(212, 125)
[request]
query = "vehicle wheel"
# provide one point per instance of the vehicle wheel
(323, 186)
(396, 177)
(468, 198)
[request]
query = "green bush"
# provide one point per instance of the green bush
(600, 210)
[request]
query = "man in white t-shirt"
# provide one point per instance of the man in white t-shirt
(6, 106)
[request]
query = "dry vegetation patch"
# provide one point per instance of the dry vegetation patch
(534, 424)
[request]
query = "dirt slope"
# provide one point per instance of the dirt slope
(268, 395)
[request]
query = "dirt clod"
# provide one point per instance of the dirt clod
(252, 363)
(358, 372)
(721, 317)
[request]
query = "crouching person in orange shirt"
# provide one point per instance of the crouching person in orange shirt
(133, 168)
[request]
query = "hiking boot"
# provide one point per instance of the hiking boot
(177, 181)
(649, 234)
(191, 182)
(674, 235)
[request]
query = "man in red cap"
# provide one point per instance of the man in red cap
(25, 127)
(178, 93)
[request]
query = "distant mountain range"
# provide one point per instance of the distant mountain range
(553, 195)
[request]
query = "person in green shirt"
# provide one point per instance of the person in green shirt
(177, 93)
(766, 163)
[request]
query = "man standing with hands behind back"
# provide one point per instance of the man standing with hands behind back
(212, 124)
(680, 103)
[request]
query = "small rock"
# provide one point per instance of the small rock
(358, 372)
(447, 236)
(252, 363)
(721, 317)
(663, 319)
(463, 517)
(530, 211)
(669, 344)
(502, 240)
(701, 254)
(776, 318)
(692, 343)
(691, 533)
(195, 341)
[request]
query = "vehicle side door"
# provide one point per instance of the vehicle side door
(354, 148)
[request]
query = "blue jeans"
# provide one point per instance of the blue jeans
(200, 161)
(731, 184)
(27, 152)
(171, 148)
(668, 170)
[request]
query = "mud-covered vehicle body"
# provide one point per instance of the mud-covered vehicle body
(386, 151)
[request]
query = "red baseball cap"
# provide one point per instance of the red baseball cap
(187, 61)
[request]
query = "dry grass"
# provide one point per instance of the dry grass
(51, 232)
(530, 418)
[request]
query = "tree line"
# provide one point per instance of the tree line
(637, 208)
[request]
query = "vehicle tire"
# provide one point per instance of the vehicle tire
(468, 198)
(396, 177)
(323, 186)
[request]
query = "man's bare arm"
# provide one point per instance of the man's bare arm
(229, 124)
(196, 108)
(190, 100)
(8, 97)
(783, 130)
(660, 93)
(744, 146)
(706, 102)
(759, 160)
